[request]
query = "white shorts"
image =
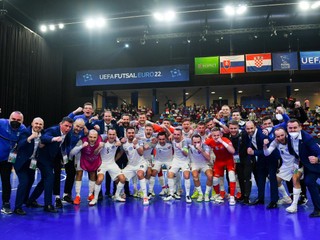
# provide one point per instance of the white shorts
(176, 166)
(130, 171)
(158, 165)
(202, 167)
(112, 168)
(286, 172)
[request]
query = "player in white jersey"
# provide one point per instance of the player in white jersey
(289, 168)
(187, 130)
(200, 161)
(108, 156)
(163, 157)
(180, 161)
(136, 164)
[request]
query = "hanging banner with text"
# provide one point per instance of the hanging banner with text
(206, 65)
(310, 60)
(285, 61)
(174, 73)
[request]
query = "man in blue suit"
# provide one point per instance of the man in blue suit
(264, 166)
(303, 146)
(56, 140)
(25, 164)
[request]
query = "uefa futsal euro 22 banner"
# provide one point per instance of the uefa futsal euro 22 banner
(310, 60)
(174, 73)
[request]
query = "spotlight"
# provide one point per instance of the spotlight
(240, 91)
(304, 5)
(255, 36)
(126, 45)
(229, 10)
(118, 41)
(187, 93)
(43, 28)
(100, 22)
(165, 16)
(95, 22)
(188, 40)
(241, 9)
(213, 92)
(220, 98)
(296, 90)
(61, 26)
(52, 27)
(90, 23)
(157, 41)
(315, 5)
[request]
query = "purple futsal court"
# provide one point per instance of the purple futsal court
(159, 220)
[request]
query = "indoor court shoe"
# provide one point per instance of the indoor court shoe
(206, 197)
(68, 199)
(292, 209)
(93, 202)
(188, 199)
(272, 205)
(90, 197)
(285, 200)
(6, 208)
(315, 214)
(119, 199)
(50, 209)
(303, 200)
(77, 200)
(58, 203)
(34, 204)
(200, 198)
(163, 191)
(176, 196)
(246, 201)
(195, 194)
(232, 201)
(169, 198)
(145, 201)
(19, 211)
(257, 201)
(136, 193)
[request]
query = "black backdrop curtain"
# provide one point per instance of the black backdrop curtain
(30, 74)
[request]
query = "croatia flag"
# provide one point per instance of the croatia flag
(232, 64)
(260, 62)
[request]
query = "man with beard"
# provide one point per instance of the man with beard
(25, 164)
(10, 130)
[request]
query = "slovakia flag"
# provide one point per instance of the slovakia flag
(232, 64)
(260, 62)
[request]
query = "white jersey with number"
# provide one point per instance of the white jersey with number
(147, 154)
(108, 152)
(163, 153)
(177, 151)
(196, 156)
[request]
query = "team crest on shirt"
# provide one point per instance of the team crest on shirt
(130, 148)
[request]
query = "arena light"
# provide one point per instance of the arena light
(229, 10)
(241, 9)
(232, 10)
(95, 22)
(240, 91)
(166, 16)
(61, 26)
(304, 5)
(315, 5)
(213, 92)
(52, 27)
(43, 28)
(126, 45)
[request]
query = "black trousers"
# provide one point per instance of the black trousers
(71, 174)
(5, 172)
(244, 170)
(57, 175)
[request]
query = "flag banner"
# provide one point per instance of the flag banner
(173, 73)
(232, 64)
(285, 61)
(310, 60)
(206, 65)
(259, 62)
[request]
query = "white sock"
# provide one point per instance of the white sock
(178, 181)
(199, 190)
(171, 185)
(119, 189)
(78, 187)
(283, 191)
(151, 185)
(65, 194)
(91, 187)
(143, 187)
(57, 196)
(187, 184)
(296, 195)
(97, 189)
(135, 183)
(208, 189)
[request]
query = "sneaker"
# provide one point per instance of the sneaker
(206, 197)
(213, 196)
(77, 200)
(232, 201)
(140, 194)
(150, 195)
(123, 195)
(292, 209)
(145, 201)
(163, 192)
(285, 200)
(58, 203)
(6, 209)
(169, 198)
(176, 196)
(200, 198)
(93, 202)
(136, 193)
(90, 197)
(67, 199)
(218, 199)
(188, 199)
(119, 199)
(195, 194)
(303, 200)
